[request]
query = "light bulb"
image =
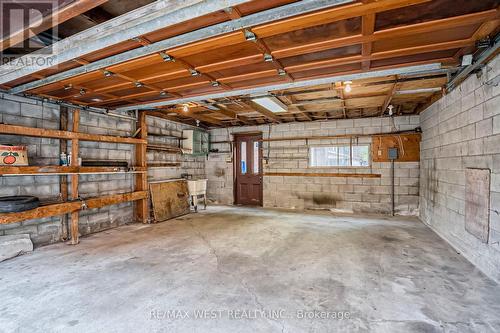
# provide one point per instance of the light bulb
(185, 108)
(348, 88)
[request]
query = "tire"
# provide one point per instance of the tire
(16, 204)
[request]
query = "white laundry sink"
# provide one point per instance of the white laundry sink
(197, 187)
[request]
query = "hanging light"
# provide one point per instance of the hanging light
(185, 108)
(347, 86)
(163, 93)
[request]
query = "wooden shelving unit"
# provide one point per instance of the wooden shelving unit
(64, 170)
(71, 207)
(163, 147)
(75, 203)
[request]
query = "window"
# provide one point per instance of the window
(339, 156)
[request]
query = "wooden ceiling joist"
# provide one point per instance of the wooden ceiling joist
(56, 17)
(259, 18)
(149, 18)
(283, 51)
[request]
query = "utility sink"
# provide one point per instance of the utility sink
(197, 187)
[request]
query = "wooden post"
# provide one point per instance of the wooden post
(75, 216)
(141, 179)
(63, 180)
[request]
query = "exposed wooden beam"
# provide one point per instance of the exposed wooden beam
(141, 179)
(263, 111)
(331, 15)
(388, 98)
(367, 27)
(68, 207)
(191, 114)
(97, 15)
(408, 30)
(58, 16)
(323, 174)
(56, 134)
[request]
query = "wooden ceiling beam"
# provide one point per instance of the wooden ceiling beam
(367, 28)
(58, 16)
(330, 15)
(408, 30)
(388, 98)
(191, 114)
(381, 55)
(263, 111)
(301, 109)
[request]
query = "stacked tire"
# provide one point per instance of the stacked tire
(20, 203)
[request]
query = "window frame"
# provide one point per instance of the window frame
(350, 145)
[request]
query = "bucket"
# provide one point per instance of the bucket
(13, 155)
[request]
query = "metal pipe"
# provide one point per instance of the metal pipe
(392, 189)
(469, 69)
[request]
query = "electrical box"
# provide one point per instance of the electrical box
(195, 142)
(392, 153)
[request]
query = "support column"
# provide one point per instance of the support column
(141, 179)
(63, 179)
(75, 216)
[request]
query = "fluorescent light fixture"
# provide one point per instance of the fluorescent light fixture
(271, 103)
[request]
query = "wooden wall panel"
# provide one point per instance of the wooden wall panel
(170, 199)
(408, 147)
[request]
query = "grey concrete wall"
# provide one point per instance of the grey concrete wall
(462, 130)
(369, 195)
(193, 165)
(28, 112)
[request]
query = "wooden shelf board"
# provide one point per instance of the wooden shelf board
(65, 135)
(167, 148)
(69, 207)
(64, 170)
(302, 174)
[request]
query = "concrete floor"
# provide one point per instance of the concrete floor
(257, 271)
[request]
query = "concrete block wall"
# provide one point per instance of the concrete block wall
(28, 112)
(193, 165)
(366, 195)
(462, 130)
(41, 151)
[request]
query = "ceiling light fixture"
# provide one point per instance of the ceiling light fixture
(249, 36)
(139, 84)
(166, 57)
(185, 108)
(194, 72)
(68, 87)
(163, 93)
(215, 84)
(82, 92)
(347, 86)
(268, 57)
(281, 72)
(271, 103)
(107, 74)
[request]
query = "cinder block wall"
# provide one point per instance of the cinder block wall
(462, 130)
(28, 112)
(193, 165)
(366, 195)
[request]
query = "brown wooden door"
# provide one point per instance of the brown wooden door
(248, 170)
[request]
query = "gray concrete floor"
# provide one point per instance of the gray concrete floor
(257, 271)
